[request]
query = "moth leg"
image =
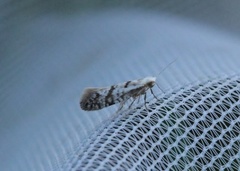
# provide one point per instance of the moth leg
(153, 94)
(132, 103)
(139, 98)
(145, 98)
(121, 105)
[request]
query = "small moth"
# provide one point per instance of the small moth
(98, 98)
(95, 98)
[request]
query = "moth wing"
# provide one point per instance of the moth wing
(98, 98)
(93, 98)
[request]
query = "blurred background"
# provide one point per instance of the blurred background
(51, 50)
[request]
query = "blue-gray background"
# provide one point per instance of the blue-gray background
(51, 50)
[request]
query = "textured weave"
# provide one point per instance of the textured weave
(51, 51)
(193, 128)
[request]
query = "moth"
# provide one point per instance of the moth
(96, 98)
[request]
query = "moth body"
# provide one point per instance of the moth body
(94, 98)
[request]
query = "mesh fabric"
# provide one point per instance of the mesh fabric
(193, 128)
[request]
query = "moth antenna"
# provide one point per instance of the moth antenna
(159, 87)
(166, 66)
(162, 71)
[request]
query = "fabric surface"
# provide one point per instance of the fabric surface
(194, 128)
(48, 65)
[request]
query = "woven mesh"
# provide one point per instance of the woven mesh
(193, 128)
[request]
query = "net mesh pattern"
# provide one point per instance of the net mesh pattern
(193, 128)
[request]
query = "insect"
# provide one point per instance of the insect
(95, 98)
(98, 98)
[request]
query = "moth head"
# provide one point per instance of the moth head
(149, 81)
(150, 84)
